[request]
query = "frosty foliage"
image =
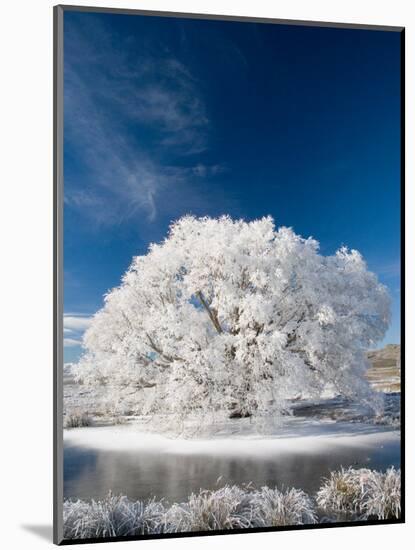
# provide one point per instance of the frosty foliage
(231, 318)
(363, 493)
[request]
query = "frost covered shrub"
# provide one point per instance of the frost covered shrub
(226, 508)
(274, 508)
(236, 317)
(77, 420)
(340, 492)
(111, 517)
(362, 493)
(383, 500)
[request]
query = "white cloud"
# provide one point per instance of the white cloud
(76, 323)
(71, 342)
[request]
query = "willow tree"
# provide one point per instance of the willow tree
(235, 318)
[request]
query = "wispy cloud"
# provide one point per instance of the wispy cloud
(75, 325)
(71, 342)
(113, 103)
(203, 170)
(76, 322)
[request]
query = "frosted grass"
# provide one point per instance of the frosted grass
(111, 517)
(77, 420)
(230, 507)
(362, 494)
(275, 508)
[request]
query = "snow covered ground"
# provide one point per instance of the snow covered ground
(305, 435)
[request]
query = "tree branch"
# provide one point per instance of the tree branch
(156, 348)
(212, 314)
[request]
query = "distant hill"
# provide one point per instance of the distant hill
(385, 371)
(67, 373)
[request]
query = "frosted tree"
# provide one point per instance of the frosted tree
(235, 318)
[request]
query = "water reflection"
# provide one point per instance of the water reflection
(140, 475)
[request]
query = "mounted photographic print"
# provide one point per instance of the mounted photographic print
(228, 293)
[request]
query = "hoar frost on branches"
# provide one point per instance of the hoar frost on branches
(234, 318)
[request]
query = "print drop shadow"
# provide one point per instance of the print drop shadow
(42, 531)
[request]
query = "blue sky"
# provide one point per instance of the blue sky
(166, 116)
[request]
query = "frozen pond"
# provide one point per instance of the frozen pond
(139, 465)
